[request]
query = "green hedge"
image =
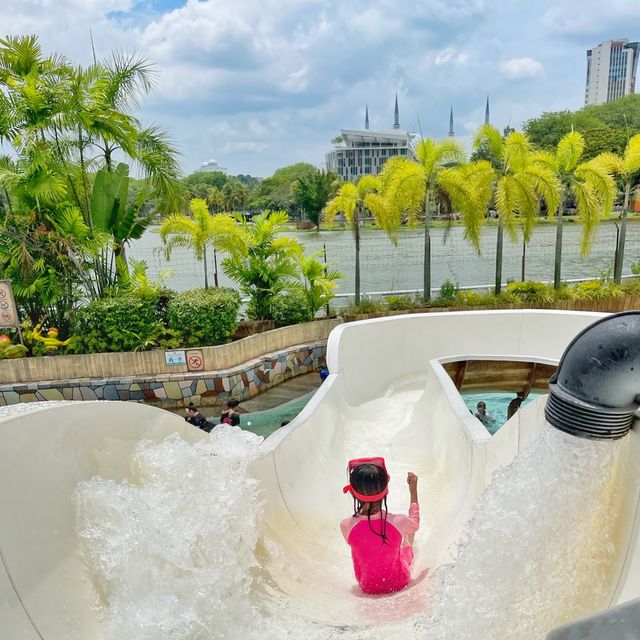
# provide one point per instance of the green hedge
(205, 316)
(125, 323)
(290, 309)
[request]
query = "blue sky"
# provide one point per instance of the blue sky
(258, 85)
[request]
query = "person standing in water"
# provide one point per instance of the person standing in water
(481, 413)
(381, 542)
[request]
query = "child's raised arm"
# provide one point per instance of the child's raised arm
(412, 481)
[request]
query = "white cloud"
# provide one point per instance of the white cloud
(446, 55)
(580, 18)
(516, 68)
(244, 147)
(297, 81)
(223, 128)
(450, 55)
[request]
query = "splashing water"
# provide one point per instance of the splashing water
(540, 545)
(173, 555)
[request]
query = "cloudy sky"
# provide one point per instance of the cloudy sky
(259, 84)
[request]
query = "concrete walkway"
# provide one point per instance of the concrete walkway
(284, 392)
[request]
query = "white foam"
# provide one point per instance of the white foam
(174, 556)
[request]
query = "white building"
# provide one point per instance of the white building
(212, 165)
(611, 71)
(364, 151)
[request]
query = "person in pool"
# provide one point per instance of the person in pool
(381, 542)
(481, 413)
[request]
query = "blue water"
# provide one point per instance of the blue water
(264, 423)
(497, 404)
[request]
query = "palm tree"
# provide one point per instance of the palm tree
(65, 123)
(234, 195)
(516, 187)
(627, 168)
(264, 261)
(588, 183)
(215, 199)
(352, 200)
(312, 192)
(318, 280)
(199, 231)
(412, 187)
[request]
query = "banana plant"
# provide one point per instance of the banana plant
(111, 213)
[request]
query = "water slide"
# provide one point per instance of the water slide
(387, 394)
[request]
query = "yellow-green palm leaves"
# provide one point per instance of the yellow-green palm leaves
(519, 182)
(588, 183)
(410, 188)
(627, 169)
(516, 188)
(351, 199)
(201, 230)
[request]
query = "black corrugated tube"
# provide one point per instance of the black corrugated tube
(595, 391)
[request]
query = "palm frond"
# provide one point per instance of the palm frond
(632, 155)
(569, 151)
(491, 137)
(516, 150)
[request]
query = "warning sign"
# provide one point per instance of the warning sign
(8, 311)
(195, 360)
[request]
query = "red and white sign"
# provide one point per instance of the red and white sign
(195, 360)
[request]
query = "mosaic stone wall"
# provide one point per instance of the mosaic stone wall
(173, 391)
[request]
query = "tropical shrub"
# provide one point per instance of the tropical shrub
(399, 303)
(290, 308)
(366, 305)
(264, 262)
(318, 281)
(125, 323)
(204, 316)
(474, 299)
(595, 290)
(530, 291)
(448, 291)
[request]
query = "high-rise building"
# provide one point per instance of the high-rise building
(360, 152)
(611, 71)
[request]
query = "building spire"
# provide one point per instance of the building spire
(396, 119)
(451, 133)
(486, 111)
(366, 117)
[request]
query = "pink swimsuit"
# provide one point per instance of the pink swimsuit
(381, 567)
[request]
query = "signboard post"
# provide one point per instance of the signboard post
(8, 311)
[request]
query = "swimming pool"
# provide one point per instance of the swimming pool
(497, 404)
(264, 423)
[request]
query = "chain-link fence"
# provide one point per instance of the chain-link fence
(387, 268)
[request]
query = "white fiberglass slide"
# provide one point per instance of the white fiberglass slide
(387, 395)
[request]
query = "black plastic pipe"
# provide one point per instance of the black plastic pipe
(595, 391)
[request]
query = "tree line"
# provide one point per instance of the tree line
(69, 207)
(508, 174)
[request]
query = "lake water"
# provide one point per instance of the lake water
(389, 268)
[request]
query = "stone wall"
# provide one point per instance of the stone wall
(175, 390)
(151, 363)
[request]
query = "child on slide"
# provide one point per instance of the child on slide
(380, 541)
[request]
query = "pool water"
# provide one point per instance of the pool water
(264, 423)
(497, 404)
